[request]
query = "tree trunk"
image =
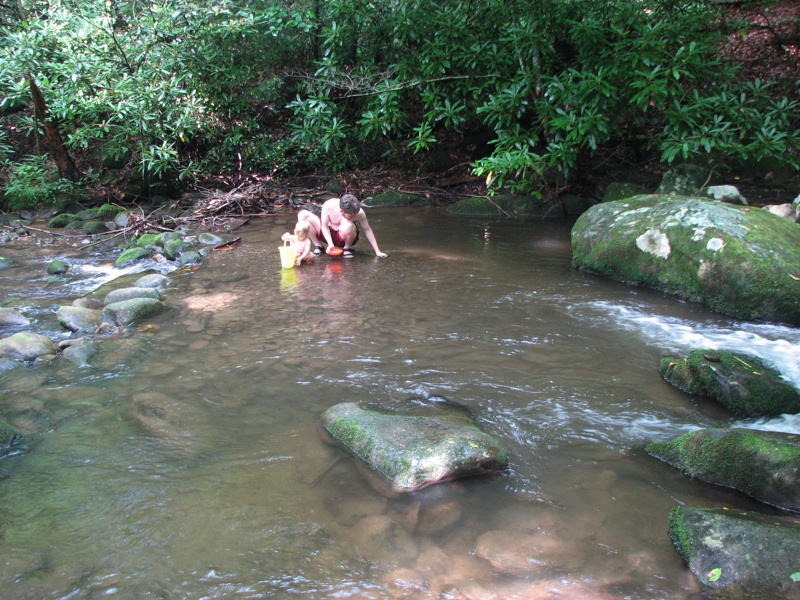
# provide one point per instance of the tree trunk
(66, 166)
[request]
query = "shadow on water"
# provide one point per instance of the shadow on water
(187, 463)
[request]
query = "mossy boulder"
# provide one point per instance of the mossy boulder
(174, 248)
(765, 465)
(26, 346)
(132, 311)
(127, 293)
(739, 554)
(62, 220)
(94, 227)
(107, 212)
(412, 452)
(393, 198)
(153, 280)
(80, 352)
(57, 267)
(132, 255)
(76, 318)
(742, 262)
(190, 258)
(743, 384)
(147, 239)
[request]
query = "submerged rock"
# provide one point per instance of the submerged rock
(741, 383)
(161, 416)
(762, 464)
(153, 280)
(11, 317)
(129, 293)
(26, 346)
(80, 352)
(741, 554)
(57, 267)
(742, 262)
(521, 553)
(76, 318)
(132, 311)
(412, 452)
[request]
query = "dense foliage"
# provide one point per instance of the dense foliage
(235, 86)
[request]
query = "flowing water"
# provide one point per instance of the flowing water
(187, 462)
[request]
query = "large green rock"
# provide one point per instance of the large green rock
(132, 311)
(132, 255)
(26, 346)
(76, 318)
(743, 384)
(412, 452)
(739, 554)
(742, 262)
(394, 198)
(762, 464)
(129, 293)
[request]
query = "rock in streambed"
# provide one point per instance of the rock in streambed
(412, 452)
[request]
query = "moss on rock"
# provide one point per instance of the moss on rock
(742, 262)
(394, 198)
(62, 220)
(739, 554)
(762, 464)
(131, 255)
(743, 384)
(410, 451)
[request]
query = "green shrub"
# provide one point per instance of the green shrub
(31, 183)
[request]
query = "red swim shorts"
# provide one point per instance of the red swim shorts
(338, 240)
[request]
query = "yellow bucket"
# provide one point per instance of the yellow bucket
(288, 255)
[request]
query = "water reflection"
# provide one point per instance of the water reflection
(188, 462)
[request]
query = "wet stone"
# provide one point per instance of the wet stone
(26, 346)
(130, 293)
(412, 452)
(76, 318)
(11, 317)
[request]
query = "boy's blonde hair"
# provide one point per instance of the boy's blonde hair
(301, 226)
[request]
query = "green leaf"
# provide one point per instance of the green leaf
(714, 574)
(795, 576)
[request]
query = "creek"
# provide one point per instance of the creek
(240, 496)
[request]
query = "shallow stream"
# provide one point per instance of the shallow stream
(229, 490)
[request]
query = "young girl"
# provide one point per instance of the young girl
(301, 243)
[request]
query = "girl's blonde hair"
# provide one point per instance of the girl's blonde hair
(301, 226)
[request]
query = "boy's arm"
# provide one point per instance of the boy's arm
(364, 224)
(325, 225)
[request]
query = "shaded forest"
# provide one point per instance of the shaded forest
(530, 97)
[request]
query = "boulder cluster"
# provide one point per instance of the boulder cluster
(82, 326)
(706, 244)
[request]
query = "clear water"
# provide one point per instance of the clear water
(187, 462)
